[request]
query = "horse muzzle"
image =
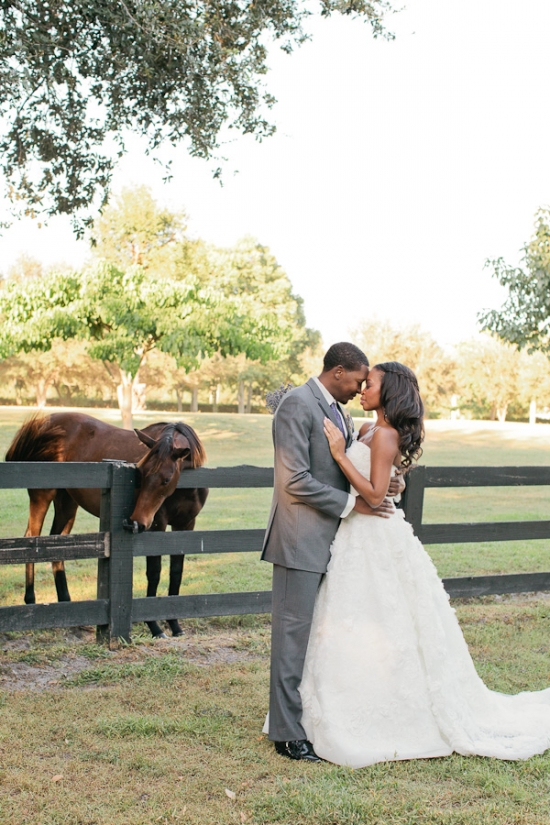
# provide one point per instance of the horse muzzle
(133, 526)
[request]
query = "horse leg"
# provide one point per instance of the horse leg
(30, 596)
(154, 564)
(176, 572)
(174, 584)
(39, 502)
(63, 521)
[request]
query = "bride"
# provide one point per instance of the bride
(388, 674)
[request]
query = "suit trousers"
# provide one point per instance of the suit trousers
(294, 593)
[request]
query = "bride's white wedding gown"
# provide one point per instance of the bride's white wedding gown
(388, 674)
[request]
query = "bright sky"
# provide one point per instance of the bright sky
(397, 168)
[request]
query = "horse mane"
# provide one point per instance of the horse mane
(163, 447)
(198, 453)
(37, 440)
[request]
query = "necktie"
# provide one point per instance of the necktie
(338, 418)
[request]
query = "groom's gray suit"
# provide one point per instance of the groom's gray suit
(310, 495)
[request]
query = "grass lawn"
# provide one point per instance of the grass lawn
(169, 731)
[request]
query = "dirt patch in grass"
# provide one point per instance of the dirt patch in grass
(21, 676)
(47, 660)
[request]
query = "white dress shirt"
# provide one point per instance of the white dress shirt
(331, 400)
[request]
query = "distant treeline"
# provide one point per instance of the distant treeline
(157, 319)
(480, 378)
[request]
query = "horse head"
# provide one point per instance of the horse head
(176, 448)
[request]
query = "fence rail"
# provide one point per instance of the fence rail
(420, 478)
(114, 609)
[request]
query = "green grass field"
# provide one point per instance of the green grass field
(169, 731)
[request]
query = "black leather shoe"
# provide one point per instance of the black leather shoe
(297, 749)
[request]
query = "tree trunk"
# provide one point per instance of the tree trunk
(41, 388)
(195, 399)
(19, 387)
(215, 398)
(533, 412)
(240, 397)
(139, 395)
(501, 412)
(178, 396)
(455, 412)
(248, 408)
(63, 390)
(125, 398)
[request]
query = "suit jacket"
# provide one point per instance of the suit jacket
(310, 491)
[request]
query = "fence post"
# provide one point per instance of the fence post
(413, 497)
(121, 560)
(104, 565)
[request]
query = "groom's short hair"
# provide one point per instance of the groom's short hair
(344, 355)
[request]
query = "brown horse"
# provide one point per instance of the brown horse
(160, 451)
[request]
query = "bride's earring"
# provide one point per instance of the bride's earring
(385, 416)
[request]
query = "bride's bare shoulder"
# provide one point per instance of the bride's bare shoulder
(380, 436)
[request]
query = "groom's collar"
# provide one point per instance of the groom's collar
(330, 399)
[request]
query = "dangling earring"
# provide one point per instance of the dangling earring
(385, 416)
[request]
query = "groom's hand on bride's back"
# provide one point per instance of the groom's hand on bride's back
(397, 485)
(384, 510)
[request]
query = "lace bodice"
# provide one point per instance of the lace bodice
(359, 455)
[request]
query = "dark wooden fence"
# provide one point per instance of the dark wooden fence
(114, 609)
(421, 478)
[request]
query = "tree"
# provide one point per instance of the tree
(251, 378)
(251, 270)
(134, 230)
(417, 349)
(533, 387)
(124, 315)
(33, 372)
(66, 367)
(25, 266)
(487, 376)
(524, 320)
(75, 75)
(186, 381)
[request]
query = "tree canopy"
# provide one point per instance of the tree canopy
(125, 314)
(134, 229)
(487, 376)
(417, 349)
(524, 319)
(75, 75)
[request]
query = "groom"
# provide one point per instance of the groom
(310, 496)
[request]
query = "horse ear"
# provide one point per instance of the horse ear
(180, 446)
(146, 439)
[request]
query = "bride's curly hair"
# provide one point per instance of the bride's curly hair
(403, 408)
